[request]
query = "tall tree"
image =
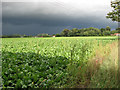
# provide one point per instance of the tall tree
(74, 31)
(65, 32)
(108, 28)
(115, 13)
(102, 31)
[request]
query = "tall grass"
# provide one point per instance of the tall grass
(106, 76)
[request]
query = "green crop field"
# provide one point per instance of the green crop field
(59, 62)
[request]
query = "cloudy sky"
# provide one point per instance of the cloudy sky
(52, 16)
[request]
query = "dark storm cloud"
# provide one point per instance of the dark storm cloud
(40, 16)
(50, 17)
(32, 29)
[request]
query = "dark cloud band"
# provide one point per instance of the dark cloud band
(48, 17)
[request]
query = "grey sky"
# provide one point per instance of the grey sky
(52, 16)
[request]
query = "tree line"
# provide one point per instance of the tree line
(91, 31)
(88, 32)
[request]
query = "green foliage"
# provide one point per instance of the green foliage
(15, 36)
(114, 15)
(43, 35)
(58, 35)
(108, 28)
(106, 33)
(65, 32)
(87, 32)
(43, 63)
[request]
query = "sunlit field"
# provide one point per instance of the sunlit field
(60, 62)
